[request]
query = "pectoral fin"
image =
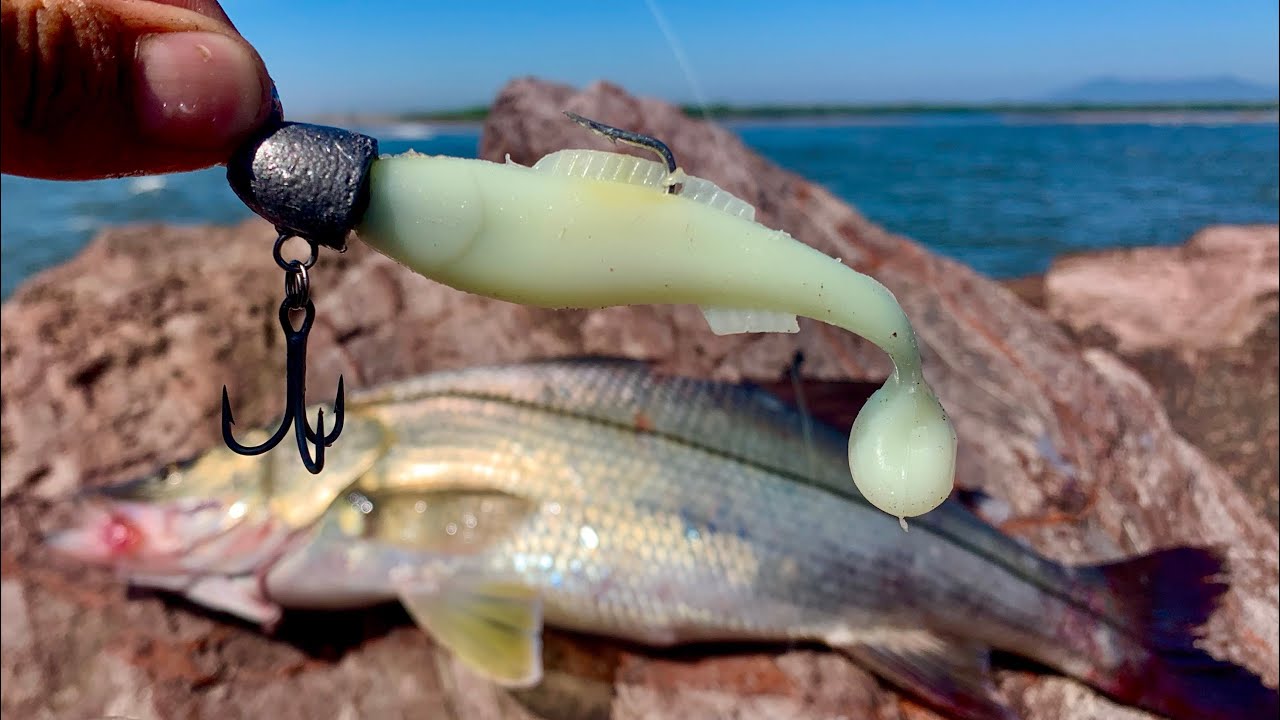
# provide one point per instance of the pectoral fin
(494, 627)
(603, 165)
(445, 520)
(950, 674)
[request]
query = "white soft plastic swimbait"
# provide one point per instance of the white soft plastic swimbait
(591, 229)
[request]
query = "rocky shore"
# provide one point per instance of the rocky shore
(1199, 322)
(1102, 431)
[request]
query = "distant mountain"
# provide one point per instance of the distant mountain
(1207, 89)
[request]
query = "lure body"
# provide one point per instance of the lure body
(590, 229)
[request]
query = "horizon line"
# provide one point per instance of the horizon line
(724, 110)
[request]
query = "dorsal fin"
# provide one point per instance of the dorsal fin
(706, 192)
(602, 165)
(616, 167)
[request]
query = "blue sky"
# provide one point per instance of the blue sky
(388, 55)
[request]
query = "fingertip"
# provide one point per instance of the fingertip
(199, 90)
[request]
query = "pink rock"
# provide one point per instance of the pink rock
(1213, 292)
(1200, 323)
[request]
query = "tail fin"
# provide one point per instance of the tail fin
(1165, 597)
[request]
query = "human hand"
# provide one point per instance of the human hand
(107, 88)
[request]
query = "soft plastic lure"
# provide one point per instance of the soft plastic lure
(590, 229)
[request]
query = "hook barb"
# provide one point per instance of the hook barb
(339, 414)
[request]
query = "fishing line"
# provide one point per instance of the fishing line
(681, 59)
(797, 386)
(700, 98)
(677, 50)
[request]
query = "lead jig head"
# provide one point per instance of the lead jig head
(310, 182)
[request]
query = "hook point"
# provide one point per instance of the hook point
(227, 417)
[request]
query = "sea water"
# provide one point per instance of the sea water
(1001, 193)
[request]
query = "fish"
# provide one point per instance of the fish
(603, 496)
(589, 229)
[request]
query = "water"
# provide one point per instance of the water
(1008, 198)
(1002, 196)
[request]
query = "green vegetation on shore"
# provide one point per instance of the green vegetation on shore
(476, 113)
(781, 112)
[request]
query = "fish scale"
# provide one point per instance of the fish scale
(744, 424)
(649, 490)
(530, 430)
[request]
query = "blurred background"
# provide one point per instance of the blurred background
(1002, 134)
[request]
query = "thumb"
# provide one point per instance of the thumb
(104, 88)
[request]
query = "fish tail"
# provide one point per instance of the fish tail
(1166, 597)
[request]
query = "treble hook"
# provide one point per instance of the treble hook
(647, 142)
(297, 297)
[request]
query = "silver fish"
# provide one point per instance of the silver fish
(599, 496)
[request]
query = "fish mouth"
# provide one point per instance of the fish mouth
(83, 540)
(169, 545)
(114, 529)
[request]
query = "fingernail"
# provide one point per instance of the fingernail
(197, 89)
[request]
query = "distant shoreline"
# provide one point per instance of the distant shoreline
(775, 112)
(1068, 112)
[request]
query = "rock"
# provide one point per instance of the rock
(113, 363)
(1199, 322)
(1213, 292)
